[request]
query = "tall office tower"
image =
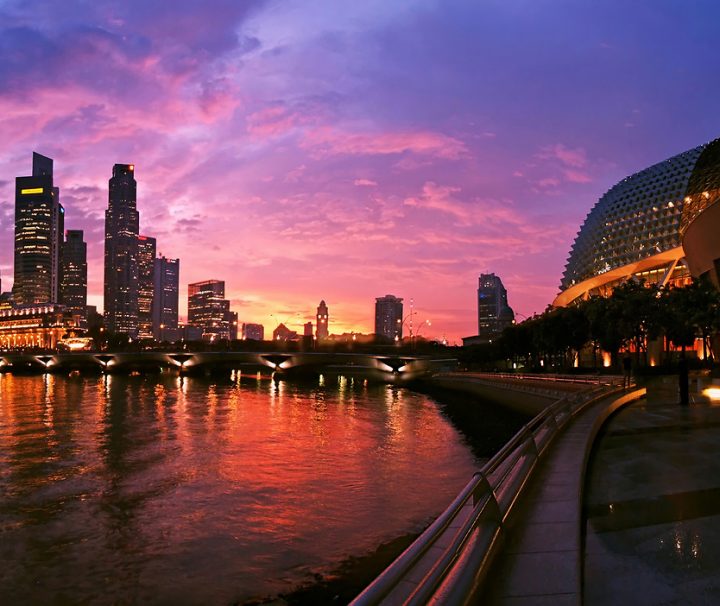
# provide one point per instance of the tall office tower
(209, 310)
(389, 317)
(494, 314)
(121, 252)
(39, 227)
(165, 300)
(146, 286)
(73, 287)
(321, 322)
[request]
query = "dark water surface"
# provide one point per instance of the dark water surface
(187, 491)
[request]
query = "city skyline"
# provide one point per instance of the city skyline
(302, 154)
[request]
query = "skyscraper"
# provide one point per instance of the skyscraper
(208, 309)
(165, 300)
(146, 286)
(39, 226)
(494, 313)
(73, 287)
(388, 317)
(121, 252)
(322, 317)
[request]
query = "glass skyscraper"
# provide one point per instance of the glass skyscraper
(121, 252)
(209, 310)
(146, 286)
(494, 313)
(73, 288)
(39, 226)
(165, 301)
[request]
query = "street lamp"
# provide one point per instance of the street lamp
(409, 320)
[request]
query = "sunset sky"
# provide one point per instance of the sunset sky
(343, 150)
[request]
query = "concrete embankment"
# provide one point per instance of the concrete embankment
(524, 395)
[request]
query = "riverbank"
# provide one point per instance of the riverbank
(345, 582)
(485, 427)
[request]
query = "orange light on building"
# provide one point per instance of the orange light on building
(712, 392)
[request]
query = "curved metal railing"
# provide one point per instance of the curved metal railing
(453, 554)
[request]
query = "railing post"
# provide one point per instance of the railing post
(482, 490)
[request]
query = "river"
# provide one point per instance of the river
(160, 489)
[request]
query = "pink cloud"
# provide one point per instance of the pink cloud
(575, 158)
(575, 176)
(548, 182)
(272, 121)
(364, 183)
(439, 197)
(332, 141)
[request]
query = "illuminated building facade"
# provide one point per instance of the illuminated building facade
(321, 322)
(657, 225)
(253, 332)
(73, 286)
(389, 317)
(700, 221)
(494, 313)
(283, 333)
(231, 318)
(33, 326)
(39, 226)
(209, 310)
(122, 223)
(165, 299)
(146, 285)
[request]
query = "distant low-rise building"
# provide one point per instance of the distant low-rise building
(253, 332)
(34, 326)
(283, 333)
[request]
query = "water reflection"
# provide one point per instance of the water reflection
(169, 489)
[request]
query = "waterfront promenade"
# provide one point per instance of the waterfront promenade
(652, 504)
(634, 523)
(541, 562)
(622, 507)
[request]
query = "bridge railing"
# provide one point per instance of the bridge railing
(453, 554)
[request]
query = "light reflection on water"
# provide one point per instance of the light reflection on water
(167, 489)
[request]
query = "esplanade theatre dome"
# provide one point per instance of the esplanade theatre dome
(643, 225)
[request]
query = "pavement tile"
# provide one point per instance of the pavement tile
(540, 573)
(556, 599)
(551, 536)
(555, 511)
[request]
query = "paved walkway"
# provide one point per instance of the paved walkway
(653, 505)
(541, 561)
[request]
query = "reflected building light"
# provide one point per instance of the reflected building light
(712, 392)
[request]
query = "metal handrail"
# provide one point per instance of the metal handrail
(516, 382)
(494, 490)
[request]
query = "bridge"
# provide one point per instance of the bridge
(395, 369)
